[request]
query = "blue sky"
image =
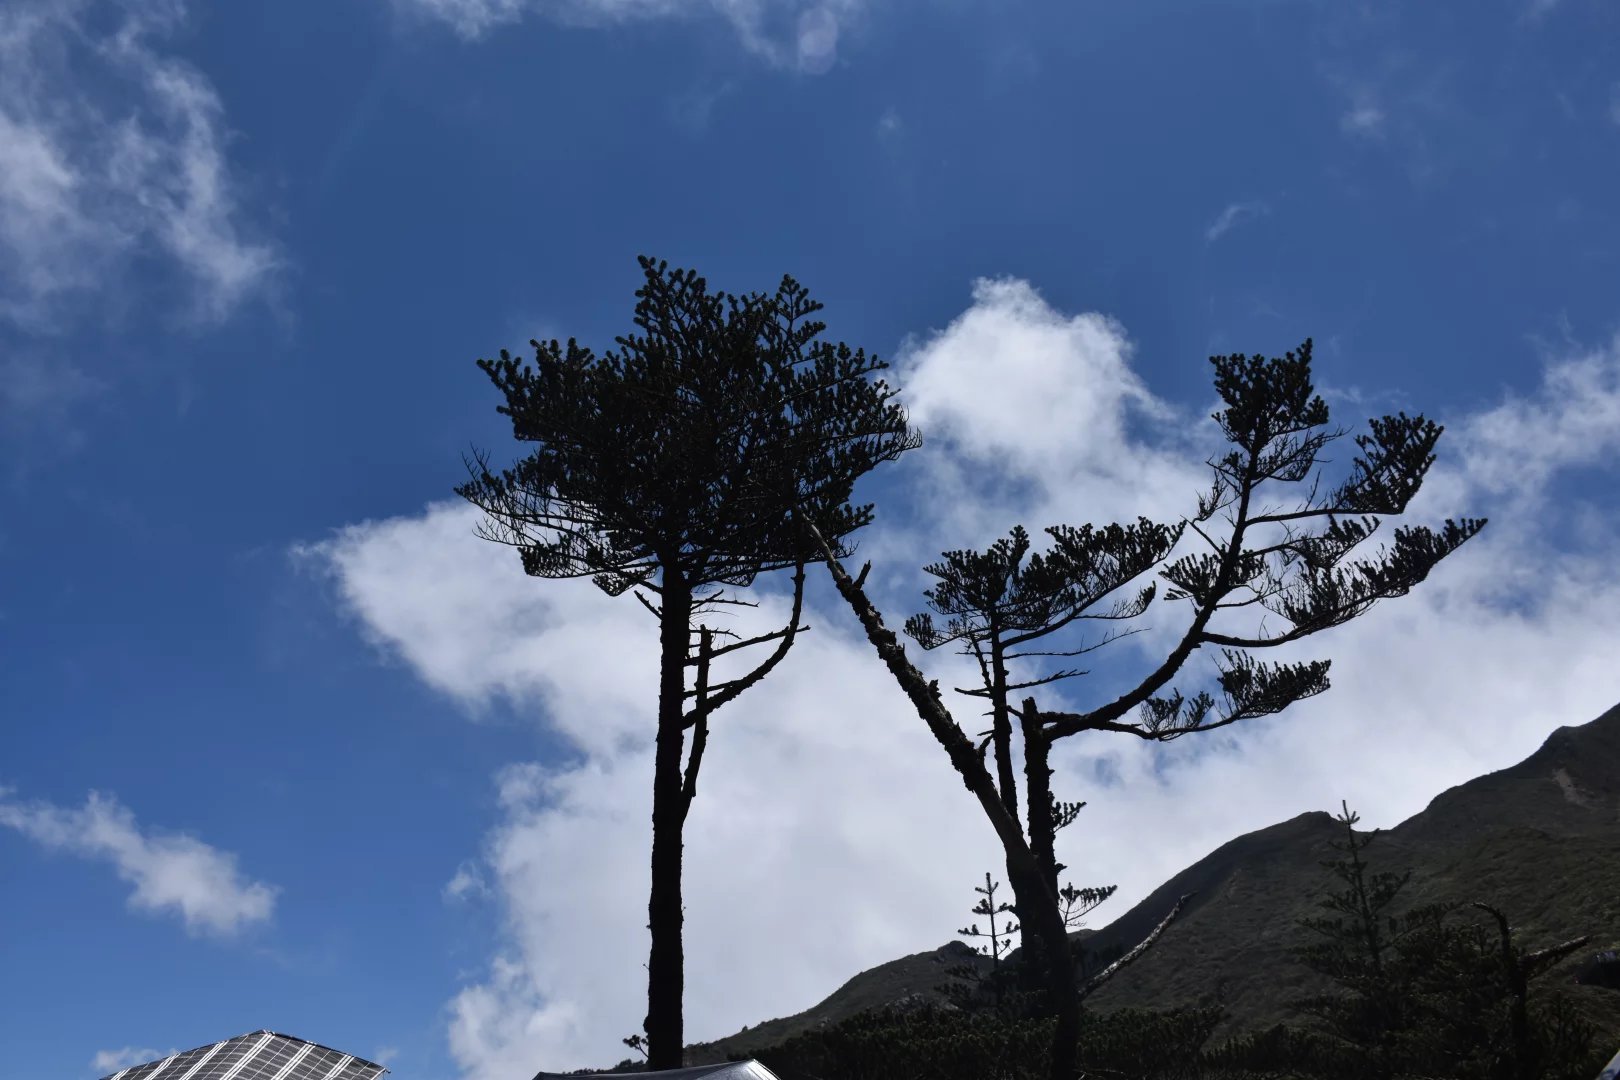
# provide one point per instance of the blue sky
(284, 746)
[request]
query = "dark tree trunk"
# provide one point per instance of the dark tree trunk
(1038, 789)
(1047, 922)
(1063, 990)
(1001, 723)
(666, 973)
(1052, 937)
(1031, 974)
(1043, 889)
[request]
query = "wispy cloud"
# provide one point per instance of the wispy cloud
(110, 1061)
(468, 882)
(693, 111)
(1614, 102)
(1400, 92)
(890, 133)
(36, 388)
(1363, 119)
(800, 35)
(1234, 215)
(1033, 415)
(172, 873)
(38, 398)
(112, 148)
(37, 395)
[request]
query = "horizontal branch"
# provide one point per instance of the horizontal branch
(1109, 639)
(719, 597)
(1545, 958)
(760, 640)
(987, 692)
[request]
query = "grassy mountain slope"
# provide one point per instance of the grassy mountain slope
(910, 978)
(1540, 840)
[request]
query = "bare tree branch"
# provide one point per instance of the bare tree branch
(729, 691)
(700, 737)
(1135, 954)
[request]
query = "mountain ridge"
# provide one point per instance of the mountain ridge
(1537, 838)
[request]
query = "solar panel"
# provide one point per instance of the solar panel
(258, 1055)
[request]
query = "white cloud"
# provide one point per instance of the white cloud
(1364, 119)
(826, 813)
(816, 40)
(572, 853)
(530, 639)
(111, 150)
(1399, 102)
(111, 1061)
(1020, 403)
(1572, 421)
(385, 1055)
(171, 873)
(469, 18)
(467, 882)
(800, 35)
(1234, 215)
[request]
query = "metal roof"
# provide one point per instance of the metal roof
(258, 1055)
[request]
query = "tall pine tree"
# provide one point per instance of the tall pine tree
(691, 457)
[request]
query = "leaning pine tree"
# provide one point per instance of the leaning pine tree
(1276, 426)
(999, 607)
(689, 458)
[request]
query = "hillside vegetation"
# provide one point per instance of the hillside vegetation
(1537, 841)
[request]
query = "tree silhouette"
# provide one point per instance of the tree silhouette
(975, 982)
(995, 603)
(689, 457)
(1275, 424)
(1355, 946)
(1417, 993)
(1476, 1017)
